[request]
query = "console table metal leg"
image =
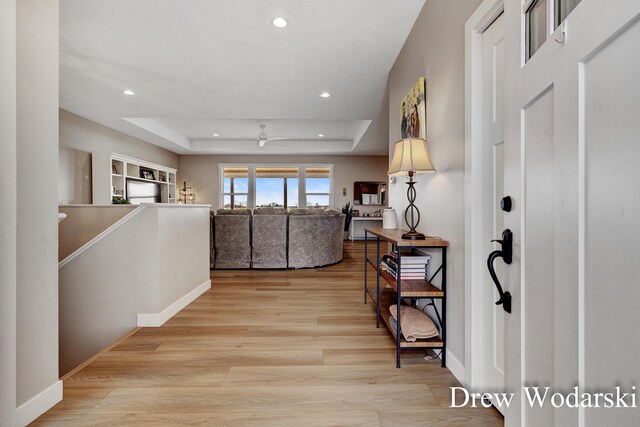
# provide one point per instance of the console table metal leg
(444, 307)
(378, 282)
(365, 266)
(399, 300)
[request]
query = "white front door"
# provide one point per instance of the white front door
(572, 161)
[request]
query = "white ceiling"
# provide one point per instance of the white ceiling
(200, 67)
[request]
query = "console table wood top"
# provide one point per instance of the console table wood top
(395, 236)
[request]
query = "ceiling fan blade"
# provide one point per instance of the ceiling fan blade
(278, 139)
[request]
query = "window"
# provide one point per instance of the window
(235, 187)
(563, 9)
(318, 187)
(541, 17)
(277, 187)
(536, 26)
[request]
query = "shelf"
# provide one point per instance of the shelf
(147, 180)
(409, 288)
(413, 287)
(116, 174)
(387, 299)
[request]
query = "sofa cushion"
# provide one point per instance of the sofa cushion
(269, 211)
(325, 212)
(233, 212)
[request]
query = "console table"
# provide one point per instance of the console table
(359, 223)
(412, 289)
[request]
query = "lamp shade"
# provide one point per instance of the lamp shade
(410, 155)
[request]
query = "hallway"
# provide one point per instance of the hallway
(266, 348)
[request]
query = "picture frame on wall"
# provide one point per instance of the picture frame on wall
(413, 112)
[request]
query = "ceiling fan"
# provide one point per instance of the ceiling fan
(263, 138)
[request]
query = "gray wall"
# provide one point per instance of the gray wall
(7, 212)
(202, 173)
(435, 49)
(80, 137)
(37, 208)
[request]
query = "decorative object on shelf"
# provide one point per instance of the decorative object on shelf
(147, 174)
(186, 194)
(355, 212)
(413, 117)
(114, 170)
(120, 201)
(162, 178)
(410, 157)
(390, 219)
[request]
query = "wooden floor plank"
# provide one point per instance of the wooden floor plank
(310, 399)
(282, 348)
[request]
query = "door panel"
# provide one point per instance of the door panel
(491, 164)
(538, 284)
(612, 222)
(498, 226)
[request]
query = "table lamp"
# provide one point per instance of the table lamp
(410, 157)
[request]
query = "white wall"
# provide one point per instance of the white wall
(183, 252)
(84, 222)
(79, 137)
(74, 180)
(7, 212)
(202, 173)
(37, 208)
(435, 49)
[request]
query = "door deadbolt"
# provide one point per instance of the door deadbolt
(505, 204)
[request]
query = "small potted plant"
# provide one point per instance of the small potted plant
(347, 210)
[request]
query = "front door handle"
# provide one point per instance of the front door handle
(506, 253)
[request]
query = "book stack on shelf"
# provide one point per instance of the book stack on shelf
(414, 264)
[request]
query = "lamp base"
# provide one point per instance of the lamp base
(413, 235)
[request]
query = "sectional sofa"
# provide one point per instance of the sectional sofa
(270, 238)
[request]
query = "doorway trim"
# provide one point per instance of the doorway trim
(475, 26)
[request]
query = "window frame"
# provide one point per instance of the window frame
(319, 194)
(233, 194)
(302, 181)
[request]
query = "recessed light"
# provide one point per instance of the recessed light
(321, 135)
(325, 95)
(280, 22)
(215, 134)
(128, 92)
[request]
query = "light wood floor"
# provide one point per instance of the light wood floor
(266, 348)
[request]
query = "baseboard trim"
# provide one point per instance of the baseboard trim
(155, 320)
(456, 368)
(39, 404)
